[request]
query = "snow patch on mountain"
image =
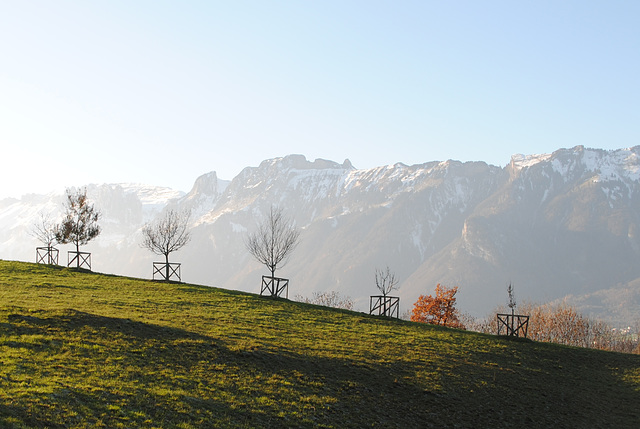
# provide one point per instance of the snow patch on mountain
(150, 195)
(520, 161)
(603, 165)
(315, 184)
(620, 165)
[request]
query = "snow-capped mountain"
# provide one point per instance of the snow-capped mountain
(561, 225)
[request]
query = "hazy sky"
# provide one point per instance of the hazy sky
(160, 92)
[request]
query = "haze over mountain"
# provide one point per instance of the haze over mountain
(557, 226)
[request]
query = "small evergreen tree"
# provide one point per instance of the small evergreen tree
(80, 222)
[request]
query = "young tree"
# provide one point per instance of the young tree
(80, 222)
(384, 305)
(167, 235)
(44, 230)
(438, 310)
(274, 240)
(512, 299)
(386, 281)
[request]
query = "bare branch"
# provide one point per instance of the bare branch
(44, 230)
(386, 281)
(168, 234)
(328, 299)
(274, 240)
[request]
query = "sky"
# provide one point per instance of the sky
(160, 92)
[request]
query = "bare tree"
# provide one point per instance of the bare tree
(274, 240)
(44, 230)
(386, 281)
(167, 235)
(80, 222)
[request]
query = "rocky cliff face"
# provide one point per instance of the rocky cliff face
(561, 225)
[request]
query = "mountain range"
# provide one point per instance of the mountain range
(558, 227)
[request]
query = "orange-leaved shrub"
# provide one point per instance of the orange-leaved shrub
(439, 309)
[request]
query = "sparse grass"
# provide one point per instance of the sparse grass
(82, 350)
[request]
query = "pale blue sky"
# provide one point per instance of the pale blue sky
(160, 92)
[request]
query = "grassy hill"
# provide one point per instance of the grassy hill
(90, 350)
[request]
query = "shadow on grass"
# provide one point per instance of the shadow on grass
(72, 320)
(14, 416)
(113, 371)
(179, 376)
(147, 374)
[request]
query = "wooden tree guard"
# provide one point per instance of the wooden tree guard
(383, 305)
(274, 286)
(79, 259)
(166, 272)
(514, 325)
(47, 255)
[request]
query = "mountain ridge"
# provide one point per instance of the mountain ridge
(542, 222)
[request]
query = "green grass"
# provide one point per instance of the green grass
(82, 350)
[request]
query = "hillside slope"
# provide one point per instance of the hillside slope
(91, 350)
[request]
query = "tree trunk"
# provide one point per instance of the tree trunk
(273, 282)
(166, 267)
